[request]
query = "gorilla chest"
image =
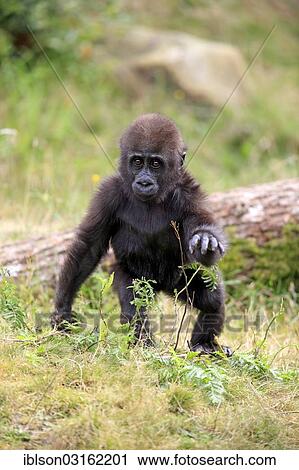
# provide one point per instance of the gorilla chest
(146, 244)
(144, 241)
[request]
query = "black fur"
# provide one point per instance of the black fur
(133, 211)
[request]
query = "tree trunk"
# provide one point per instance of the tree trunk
(258, 212)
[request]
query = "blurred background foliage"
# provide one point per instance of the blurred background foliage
(49, 161)
(49, 166)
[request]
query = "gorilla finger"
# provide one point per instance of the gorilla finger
(227, 351)
(213, 243)
(194, 242)
(204, 243)
(221, 248)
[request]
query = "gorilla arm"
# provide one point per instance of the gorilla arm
(90, 244)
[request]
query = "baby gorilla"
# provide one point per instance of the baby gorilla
(134, 211)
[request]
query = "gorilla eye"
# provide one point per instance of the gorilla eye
(137, 161)
(156, 164)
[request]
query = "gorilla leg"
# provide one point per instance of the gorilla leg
(139, 320)
(210, 320)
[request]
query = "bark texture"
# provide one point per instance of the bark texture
(259, 212)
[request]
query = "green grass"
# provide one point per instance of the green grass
(88, 389)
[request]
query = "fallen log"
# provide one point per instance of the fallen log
(259, 212)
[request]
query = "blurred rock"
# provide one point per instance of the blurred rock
(205, 71)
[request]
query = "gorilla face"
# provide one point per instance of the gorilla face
(147, 170)
(152, 153)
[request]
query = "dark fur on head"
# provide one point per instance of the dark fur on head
(154, 133)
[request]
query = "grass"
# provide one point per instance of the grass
(88, 389)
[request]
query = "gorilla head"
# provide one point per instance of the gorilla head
(152, 154)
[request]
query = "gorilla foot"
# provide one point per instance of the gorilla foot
(62, 322)
(146, 343)
(212, 349)
(145, 340)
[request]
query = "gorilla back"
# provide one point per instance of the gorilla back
(134, 210)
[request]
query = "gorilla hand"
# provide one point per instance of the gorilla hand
(206, 245)
(205, 241)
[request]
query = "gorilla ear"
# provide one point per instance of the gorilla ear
(183, 156)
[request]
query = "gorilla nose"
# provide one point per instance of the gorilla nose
(144, 187)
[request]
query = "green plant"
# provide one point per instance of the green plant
(207, 375)
(143, 292)
(49, 21)
(11, 307)
(210, 377)
(209, 275)
(273, 265)
(260, 367)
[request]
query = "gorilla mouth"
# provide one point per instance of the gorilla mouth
(144, 192)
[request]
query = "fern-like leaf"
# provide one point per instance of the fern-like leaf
(209, 275)
(210, 378)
